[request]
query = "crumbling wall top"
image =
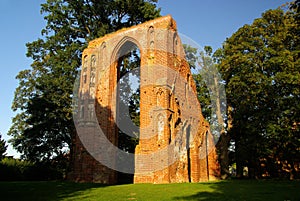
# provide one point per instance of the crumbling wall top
(165, 22)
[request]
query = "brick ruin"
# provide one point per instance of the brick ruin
(175, 142)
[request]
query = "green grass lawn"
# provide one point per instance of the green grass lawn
(223, 190)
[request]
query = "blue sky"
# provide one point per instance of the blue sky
(206, 22)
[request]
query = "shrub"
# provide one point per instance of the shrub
(20, 170)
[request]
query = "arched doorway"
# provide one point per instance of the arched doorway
(128, 104)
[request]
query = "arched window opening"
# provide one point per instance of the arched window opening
(128, 102)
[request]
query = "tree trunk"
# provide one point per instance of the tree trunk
(239, 161)
(223, 143)
(223, 155)
(292, 171)
(239, 169)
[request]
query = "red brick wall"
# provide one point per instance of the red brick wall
(172, 145)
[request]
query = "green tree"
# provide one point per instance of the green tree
(261, 69)
(191, 55)
(295, 5)
(43, 127)
(211, 93)
(212, 98)
(3, 147)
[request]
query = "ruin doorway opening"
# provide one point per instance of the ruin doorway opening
(128, 104)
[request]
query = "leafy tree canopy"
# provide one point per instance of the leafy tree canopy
(43, 126)
(3, 147)
(261, 68)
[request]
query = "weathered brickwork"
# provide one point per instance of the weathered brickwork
(175, 142)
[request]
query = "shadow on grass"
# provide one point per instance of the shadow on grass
(225, 190)
(246, 190)
(51, 191)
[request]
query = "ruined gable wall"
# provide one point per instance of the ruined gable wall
(167, 152)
